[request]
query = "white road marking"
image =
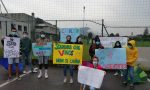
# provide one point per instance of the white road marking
(7, 82)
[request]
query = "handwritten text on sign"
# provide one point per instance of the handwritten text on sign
(11, 47)
(90, 76)
(67, 53)
(43, 50)
(112, 58)
(110, 41)
(73, 32)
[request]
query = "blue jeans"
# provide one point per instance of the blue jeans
(27, 58)
(70, 68)
(129, 71)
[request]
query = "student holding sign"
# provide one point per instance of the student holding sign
(94, 65)
(68, 41)
(14, 59)
(41, 58)
(132, 56)
(96, 45)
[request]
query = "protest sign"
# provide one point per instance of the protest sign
(11, 47)
(42, 50)
(109, 42)
(73, 32)
(112, 58)
(67, 53)
(90, 76)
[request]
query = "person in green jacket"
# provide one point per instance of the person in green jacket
(26, 47)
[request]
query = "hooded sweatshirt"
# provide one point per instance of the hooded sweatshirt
(132, 54)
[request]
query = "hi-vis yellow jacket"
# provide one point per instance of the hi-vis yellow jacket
(132, 54)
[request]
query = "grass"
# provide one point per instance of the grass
(143, 43)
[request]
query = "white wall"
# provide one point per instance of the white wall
(9, 22)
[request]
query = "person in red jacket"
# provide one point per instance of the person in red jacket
(95, 65)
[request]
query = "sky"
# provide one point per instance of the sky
(115, 13)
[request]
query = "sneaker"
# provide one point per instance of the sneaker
(24, 72)
(71, 81)
(125, 83)
(46, 76)
(40, 74)
(148, 80)
(121, 75)
(18, 78)
(34, 70)
(65, 80)
(116, 74)
(9, 79)
(131, 86)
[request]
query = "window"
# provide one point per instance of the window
(25, 28)
(19, 28)
(13, 26)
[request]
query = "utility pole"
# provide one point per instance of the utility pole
(4, 6)
(102, 27)
(83, 18)
(56, 27)
(6, 27)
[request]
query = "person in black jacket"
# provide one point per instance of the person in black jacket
(11, 60)
(96, 45)
(118, 45)
(79, 40)
(68, 41)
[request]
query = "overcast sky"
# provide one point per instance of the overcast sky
(114, 12)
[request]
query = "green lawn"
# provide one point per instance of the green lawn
(143, 43)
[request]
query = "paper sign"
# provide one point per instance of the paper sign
(112, 58)
(90, 76)
(11, 47)
(67, 53)
(43, 50)
(109, 42)
(73, 32)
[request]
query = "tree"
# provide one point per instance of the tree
(90, 35)
(146, 32)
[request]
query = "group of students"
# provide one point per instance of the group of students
(26, 48)
(131, 53)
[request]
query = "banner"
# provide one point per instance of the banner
(112, 58)
(44, 50)
(109, 42)
(90, 76)
(73, 32)
(11, 47)
(67, 53)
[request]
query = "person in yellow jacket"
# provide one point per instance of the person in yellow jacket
(132, 55)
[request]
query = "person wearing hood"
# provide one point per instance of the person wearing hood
(132, 56)
(96, 45)
(118, 45)
(68, 41)
(43, 60)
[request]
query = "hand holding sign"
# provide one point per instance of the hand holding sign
(11, 47)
